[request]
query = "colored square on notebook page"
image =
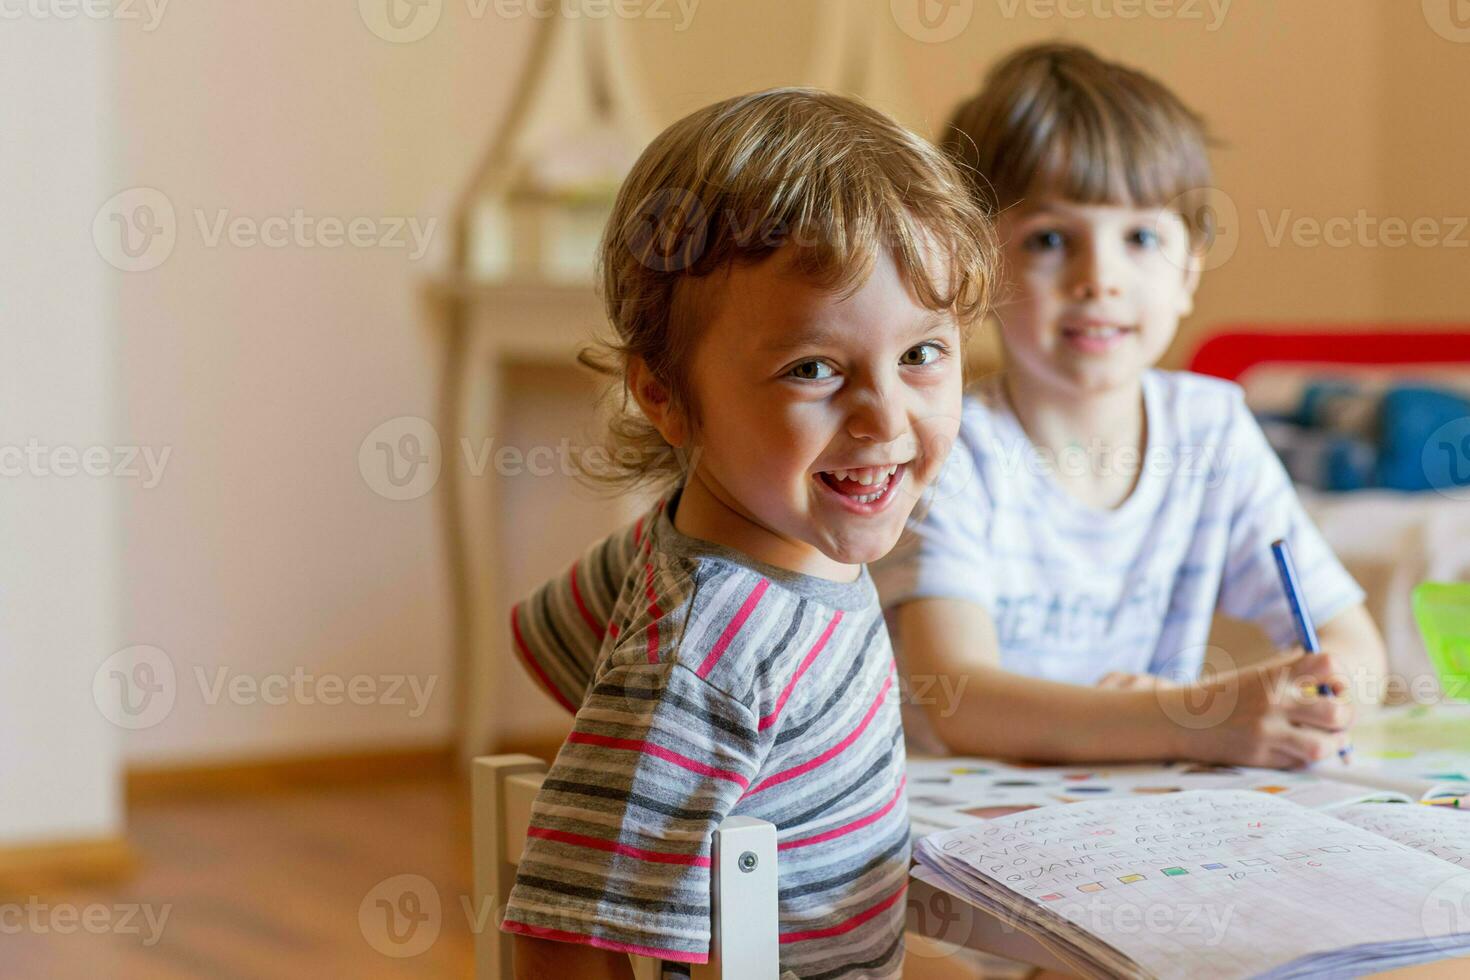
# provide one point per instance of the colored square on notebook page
(1130, 879)
(1175, 872)
(1091, 886)
(1052, 897)
(1212, 867)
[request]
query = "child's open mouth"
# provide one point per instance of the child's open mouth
(865, 489)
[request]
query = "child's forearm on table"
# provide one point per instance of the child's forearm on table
(1006, 715)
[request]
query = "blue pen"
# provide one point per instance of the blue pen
(1305, 631)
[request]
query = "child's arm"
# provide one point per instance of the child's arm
(1245, 718)
(536, 959)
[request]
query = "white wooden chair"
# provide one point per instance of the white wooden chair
(742, 881)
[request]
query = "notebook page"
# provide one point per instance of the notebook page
(1206, 884)
(1441, 831)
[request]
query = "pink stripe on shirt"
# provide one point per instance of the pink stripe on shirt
(733, 628)
(613, 847)
(654, 612)
(668, 755)
(847, 828)
(587, 616)
(515, 628)
(806, 662)
(846, 925)
(835, 750)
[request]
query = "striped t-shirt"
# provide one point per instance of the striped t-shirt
(721, 686)
(1076, 592)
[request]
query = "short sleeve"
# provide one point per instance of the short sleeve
(945, 551)
(558, 631)
(617, 855)
(1263, 508)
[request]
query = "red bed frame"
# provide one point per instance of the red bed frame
(1235, 350)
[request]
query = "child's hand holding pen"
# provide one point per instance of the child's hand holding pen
(1306, 631)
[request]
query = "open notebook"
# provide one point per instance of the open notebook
(1218, 884)
(945, 793)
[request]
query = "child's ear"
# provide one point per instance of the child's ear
(657, 403)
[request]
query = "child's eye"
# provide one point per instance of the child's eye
(925, 353)
(1046, 240)
(1144, 238)
(811, 371)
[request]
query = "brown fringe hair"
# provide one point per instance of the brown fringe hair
(1057, 119)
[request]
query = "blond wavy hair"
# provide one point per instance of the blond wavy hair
(735, 182)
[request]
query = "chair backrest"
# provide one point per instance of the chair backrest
(743, 900)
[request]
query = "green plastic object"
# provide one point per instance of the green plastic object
(1442, 610)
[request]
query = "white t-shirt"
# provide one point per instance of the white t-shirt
(1076, 592)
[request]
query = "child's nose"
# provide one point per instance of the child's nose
(877, 417)
(1095, 275)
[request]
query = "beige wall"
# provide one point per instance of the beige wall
(263, 549)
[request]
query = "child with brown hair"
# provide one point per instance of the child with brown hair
(789, 274)
(1099, 511)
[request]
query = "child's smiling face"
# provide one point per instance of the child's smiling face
(1093, 293)
(821, 417)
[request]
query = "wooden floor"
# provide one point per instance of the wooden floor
(266, 886)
